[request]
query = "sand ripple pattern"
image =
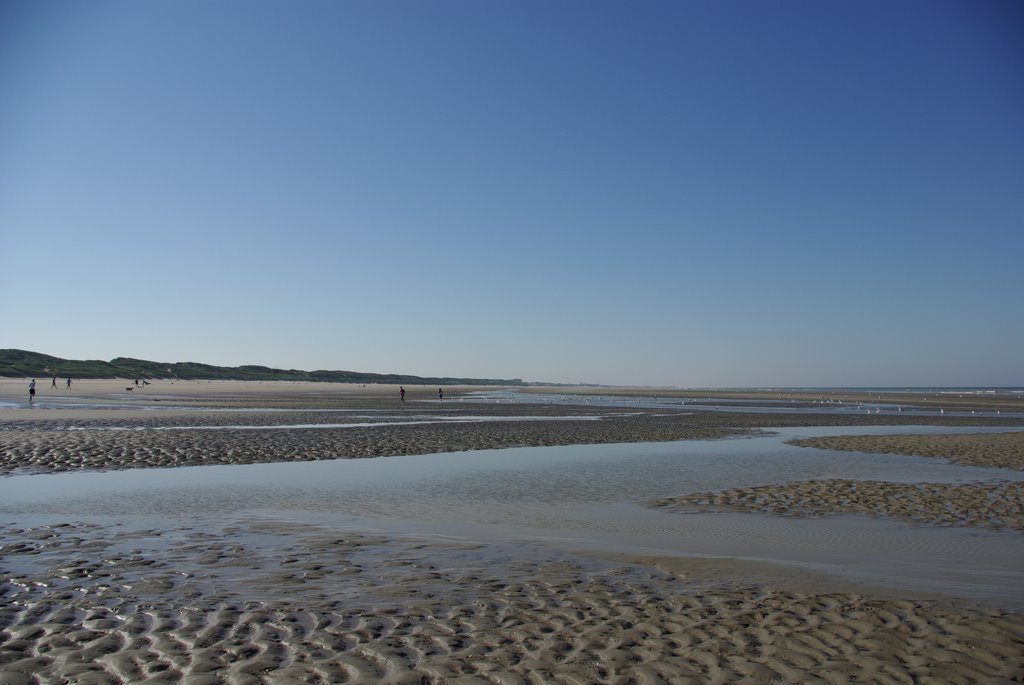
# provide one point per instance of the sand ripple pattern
(27, 449)
(423, 622)
(986, 505)
(1000, 450)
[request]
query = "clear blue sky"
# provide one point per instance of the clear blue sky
(728, 193)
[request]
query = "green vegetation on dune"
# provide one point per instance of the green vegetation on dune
(20, 363)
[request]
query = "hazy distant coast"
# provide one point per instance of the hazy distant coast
(21, 363)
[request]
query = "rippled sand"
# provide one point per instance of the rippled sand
(1000, 450)
(984, 505)
(107, 606)
(26, 451)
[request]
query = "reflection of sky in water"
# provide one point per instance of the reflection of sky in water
(583, 495)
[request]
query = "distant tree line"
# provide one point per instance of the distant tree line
(21, 363)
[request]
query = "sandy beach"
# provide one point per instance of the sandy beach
(248, 599)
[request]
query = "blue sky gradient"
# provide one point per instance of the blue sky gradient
(730, 193)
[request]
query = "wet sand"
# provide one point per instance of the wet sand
(105, 427)
(985, 505)
(1000, 450)
(73, 447)
(262, 601)
(283, 604)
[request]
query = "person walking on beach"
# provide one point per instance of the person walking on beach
(68, 387)
(32, 390)
(440, 394)
(401, 392)
(54, 383)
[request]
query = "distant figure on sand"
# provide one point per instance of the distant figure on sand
(54, 383)
(440, 394)
(32, 390)
(68, 387)
(401, 392)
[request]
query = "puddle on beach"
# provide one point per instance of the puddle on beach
(582, 497)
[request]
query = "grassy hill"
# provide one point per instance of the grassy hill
(20, 363)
